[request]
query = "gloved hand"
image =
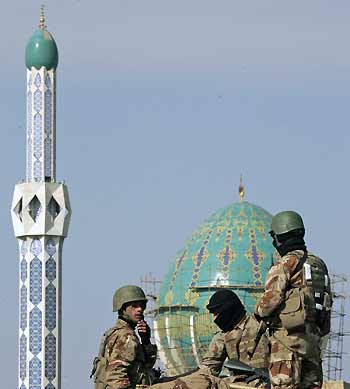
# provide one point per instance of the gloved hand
(144, 332)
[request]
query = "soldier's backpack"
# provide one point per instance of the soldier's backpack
(100, 362)
(310, 301)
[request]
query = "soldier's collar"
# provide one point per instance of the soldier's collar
(127, 321)
(241, 324)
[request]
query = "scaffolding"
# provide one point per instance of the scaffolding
(334, 350)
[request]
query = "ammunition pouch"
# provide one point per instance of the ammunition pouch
(293, 315)
(324, 315)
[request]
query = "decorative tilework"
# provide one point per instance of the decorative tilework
(48, 109)
(24, 272)
(29, 112)
(36, 247)
(50, 357)
(48, 157)
(35, 287)
(48, 81)
(178, 263)
(23, 357)
(37, 80)
(49, 386)
(29, 139)
(51, 249)
(255, 256)
(29, 160)
(38, 100)
(23, 308)
(35, 326)
(50, 307)
(199, 258)
(24, 248)
(37, 135)
(37, 170)
(50, 311)
(51, 269)
(23, 387)
(35, 373)
(226, 256)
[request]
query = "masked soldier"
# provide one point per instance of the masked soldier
(297, 306)
(124, 361)
(234, 341)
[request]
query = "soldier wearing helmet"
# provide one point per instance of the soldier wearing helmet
(124, 361)
(296, 304)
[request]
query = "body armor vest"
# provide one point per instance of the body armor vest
(308, 299)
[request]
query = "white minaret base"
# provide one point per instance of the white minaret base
(40, 215)
(40, 312)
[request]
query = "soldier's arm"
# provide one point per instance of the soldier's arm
(150, 351)
(277, 280)
(215, 356)
(122, 353)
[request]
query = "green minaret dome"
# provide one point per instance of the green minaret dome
(41, 51)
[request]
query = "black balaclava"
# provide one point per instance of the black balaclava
(293, 240)
(228, 307)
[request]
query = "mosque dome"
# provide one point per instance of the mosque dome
(232, 249)
(41, 50)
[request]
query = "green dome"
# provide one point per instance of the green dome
(231, 249)
(41, 51)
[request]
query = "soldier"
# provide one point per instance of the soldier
(234, 340)
(297, 305)
(124, 361)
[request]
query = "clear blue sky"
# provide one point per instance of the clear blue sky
(160, 106)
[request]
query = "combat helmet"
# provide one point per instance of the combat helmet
(127, 294)
(286, 221)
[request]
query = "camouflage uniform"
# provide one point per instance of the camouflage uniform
(128, 361)
(234, 344)
(295, 358)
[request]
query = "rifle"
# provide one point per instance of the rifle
(259, 333)
(238, 368)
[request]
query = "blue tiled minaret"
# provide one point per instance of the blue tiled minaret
(40, 214)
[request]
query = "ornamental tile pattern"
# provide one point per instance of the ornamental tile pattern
(35, 373)
(50, 307)
(23, 311)
(50, 313)
(38, 133)
(23, 357)
(35, 329)
(48, 81)
(23, 308)
(37, 80)
(35, 288)
(36, 247)
(35, 315)
(50, 357)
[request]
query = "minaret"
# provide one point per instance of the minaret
(40, 215)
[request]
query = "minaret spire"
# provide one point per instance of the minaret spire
(42, 18)
(241, 189)
(40, 215)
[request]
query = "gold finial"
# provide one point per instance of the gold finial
(42, 18)
(241, 188)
